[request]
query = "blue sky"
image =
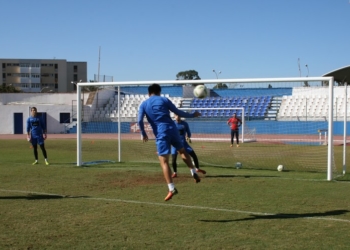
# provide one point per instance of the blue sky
(155, 39)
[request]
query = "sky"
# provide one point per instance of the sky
(145, 40)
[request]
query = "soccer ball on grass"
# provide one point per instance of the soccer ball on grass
(280, 168)
(200, 91)
(238, 165)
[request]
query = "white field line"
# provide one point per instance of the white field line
(175, 205)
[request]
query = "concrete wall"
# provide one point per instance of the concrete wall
(52, 113)
(51, 103)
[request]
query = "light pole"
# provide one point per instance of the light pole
(217, 73)
(218, 85)
(306, 83)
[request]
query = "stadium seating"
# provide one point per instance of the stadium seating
(255, 107)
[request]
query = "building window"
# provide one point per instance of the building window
(3, 75)
(64, 117)
(56, 66)
(4, 65)
(75, 77)
(75, 68)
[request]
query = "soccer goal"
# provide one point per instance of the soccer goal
(282, 119)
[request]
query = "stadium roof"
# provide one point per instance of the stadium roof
(340, 75)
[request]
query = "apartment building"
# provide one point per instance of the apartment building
(42, 75)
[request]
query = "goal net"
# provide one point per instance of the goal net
(285, 122)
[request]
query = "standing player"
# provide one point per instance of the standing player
(36, 134)
(234, 123)
(185, 134)
(157, 111)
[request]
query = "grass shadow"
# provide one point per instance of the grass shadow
(283, 216)
(242, 176)
(39, 197)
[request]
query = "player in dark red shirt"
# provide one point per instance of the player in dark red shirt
(234, 123)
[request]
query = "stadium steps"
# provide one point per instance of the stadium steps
(274, 108)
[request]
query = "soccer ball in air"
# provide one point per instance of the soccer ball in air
(238, 165)
(200, 91)
(280, 168)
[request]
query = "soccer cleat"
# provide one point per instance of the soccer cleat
(171, 194)
(34, 163)
(196, 178)
(201, 171)
(237, 145)
(231, 145)
(174, 175)
(47, 163)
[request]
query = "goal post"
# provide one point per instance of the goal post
(257, 131)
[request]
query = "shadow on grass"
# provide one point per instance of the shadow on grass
(283, 216)
(39, 197)
(242, 176)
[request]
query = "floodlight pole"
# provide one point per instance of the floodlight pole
(217, 74)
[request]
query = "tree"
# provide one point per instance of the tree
(8, 89)
(188, 75)
(220, 86)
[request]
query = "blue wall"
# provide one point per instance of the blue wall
(262, 127)
(266, 127)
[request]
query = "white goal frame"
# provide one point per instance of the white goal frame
(330, 81)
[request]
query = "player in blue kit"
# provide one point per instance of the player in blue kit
(157, 111)
(185, 135)
(36, 134)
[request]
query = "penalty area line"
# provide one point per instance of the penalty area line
(281, 216)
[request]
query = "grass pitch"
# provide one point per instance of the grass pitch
(120, 205)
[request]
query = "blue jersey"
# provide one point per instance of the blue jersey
(184, 130)
(36, 126)
(157, 110)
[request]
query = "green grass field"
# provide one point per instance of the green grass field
(120, 205)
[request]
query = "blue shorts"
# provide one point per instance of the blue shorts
(186, 146)
(169, 138)
(37, 140)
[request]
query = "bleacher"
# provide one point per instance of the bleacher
(254, 107)
(280, 105)
(129, 104)
(314, 107)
